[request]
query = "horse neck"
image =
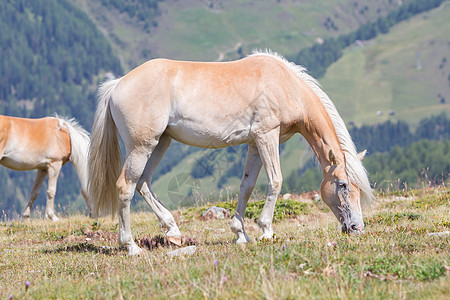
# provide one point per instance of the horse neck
(318, 130)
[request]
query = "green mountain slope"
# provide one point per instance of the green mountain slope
(381, 76)
(406, 70)
(222, 30)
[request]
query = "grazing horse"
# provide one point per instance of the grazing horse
(46, 145)
(261, 100)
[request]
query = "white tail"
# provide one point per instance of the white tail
(104, 156)
(79, 144)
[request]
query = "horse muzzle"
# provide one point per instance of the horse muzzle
(352, 228)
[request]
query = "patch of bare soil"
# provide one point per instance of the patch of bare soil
(158, 241)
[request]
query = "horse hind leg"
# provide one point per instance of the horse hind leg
(53, 173)
(40, 177)
(165, 218)
(132, 171)
(252, 167)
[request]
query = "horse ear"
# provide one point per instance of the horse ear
(332, 158)
(362, 154)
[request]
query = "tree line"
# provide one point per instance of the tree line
(397, 157)
(320, 56)
(51, 55)
(143, 11)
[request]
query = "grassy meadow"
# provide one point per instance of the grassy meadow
(396, 257)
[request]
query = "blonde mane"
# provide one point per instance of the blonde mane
(355, 170)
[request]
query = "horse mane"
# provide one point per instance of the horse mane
(355, 170)
(79, 141)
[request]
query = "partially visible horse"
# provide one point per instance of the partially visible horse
(46, 145)
(261, 100)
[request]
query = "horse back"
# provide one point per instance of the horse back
(225, 101)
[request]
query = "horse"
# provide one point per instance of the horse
(261, 100)
(44, 144)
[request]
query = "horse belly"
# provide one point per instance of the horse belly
(21, 164)
(208, 135)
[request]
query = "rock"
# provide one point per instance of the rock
(215, 212)
(287, 196)
(189, 250)
(439, 233)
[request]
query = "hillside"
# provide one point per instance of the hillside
(222, 30)
(381, 76)
(406, 70)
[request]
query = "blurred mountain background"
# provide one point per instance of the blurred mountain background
(385, 64)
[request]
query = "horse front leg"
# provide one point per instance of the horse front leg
(252, 167)
(40, 177)
(268, 150)
(53, 173)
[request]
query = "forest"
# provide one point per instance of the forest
(397, 158)
(53, 57)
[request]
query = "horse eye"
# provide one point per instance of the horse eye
(343, 184)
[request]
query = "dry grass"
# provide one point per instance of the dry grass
(396, 257)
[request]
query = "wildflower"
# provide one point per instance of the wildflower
(224, 279)
(27, 285)
(216, 262)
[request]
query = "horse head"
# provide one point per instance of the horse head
(342, 196)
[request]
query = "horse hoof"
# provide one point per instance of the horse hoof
(266, 236)
(242, 239)
(175, 233)
(52, 217)
(134, 250)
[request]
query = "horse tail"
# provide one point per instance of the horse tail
(79, 144)
(104, 156)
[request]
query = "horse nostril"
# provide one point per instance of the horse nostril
(353, 227)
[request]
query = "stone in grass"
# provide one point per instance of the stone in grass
(189, 250)
(215, 212)
(443, 233)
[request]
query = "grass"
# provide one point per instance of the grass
(395, 258)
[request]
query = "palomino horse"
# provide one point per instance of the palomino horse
(46, 145)
(261, 100)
